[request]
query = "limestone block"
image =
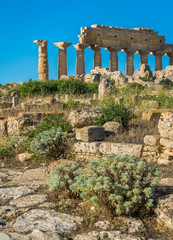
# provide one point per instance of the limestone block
(14, 124)
(151, 140)
(119, 78)
(92, 78)
(152, 116)
(120, 149)
(90, 134)
(165, 125)
(105, 88)
(166, 142)
(112, 128)
(151, 104)
(3, 127)
(84, 117)
(87, 147)
(22, 157)
(144, 71)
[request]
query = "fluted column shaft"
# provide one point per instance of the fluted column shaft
(129, 61)
(158, 60)
(144, 56)
(62, 57)
(43, 68)
(97, 56)
(80, 58)
(113, 58)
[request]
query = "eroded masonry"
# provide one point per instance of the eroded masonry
(142, 41)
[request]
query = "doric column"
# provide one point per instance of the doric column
(97, 55)
(144, 56)
(62, 57)
(129, 61)
(80, 59)
(113, 58)
(170, 55)
(158, 59)
(43, 69)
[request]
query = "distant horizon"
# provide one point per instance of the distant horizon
(24, 22)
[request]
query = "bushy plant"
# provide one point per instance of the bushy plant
(18, 143)
(70, 86)
(146, 79)
(49, 142)
(6, 151)
(112, 111)
(123, 184)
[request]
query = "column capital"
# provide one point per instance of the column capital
(41, 43)
(95, 48)
(129, 50)
(62, 45)
(140, 52)
(157, 53)
(113, 49)
(169, 54)
(80, 46)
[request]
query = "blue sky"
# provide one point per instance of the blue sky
(21, 22)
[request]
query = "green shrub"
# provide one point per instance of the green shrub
(146, 79)
(53, 121)
(49, 142)
(18, 143)
(112, 111)
(123, 184)
(6, 151)
(71, 86)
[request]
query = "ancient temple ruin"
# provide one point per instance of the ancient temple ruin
(142, 41)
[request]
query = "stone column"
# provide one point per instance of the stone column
(62, 57)
(129, 61)
(80, 59)
(97, 56)
(170, 55)
(113, 58)
(43, 68)
(158, 59)
(144, 56)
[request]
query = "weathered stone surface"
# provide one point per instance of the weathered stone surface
(165, 126)
(29, 200)
(15, 192)
(105, 88)
(112, 128)
(152, 116)
(24, 157)
(92, 78)
(35, 235)
(46, 220)
(151, 104)
(112, 235)
(166, 142)
(151, 140)
(119, 78)
(82, 118)
(90, 134)
(84, 147)
(121, 148)
(144, 71)
(166, 182)
(30, 176)
(164, 211)
(132, 225)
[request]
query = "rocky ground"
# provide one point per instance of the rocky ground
(28, 213)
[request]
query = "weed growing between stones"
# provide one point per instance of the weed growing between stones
(112, 111)
(122, 184)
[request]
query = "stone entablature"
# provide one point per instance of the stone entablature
(142, 41)
(139, 38)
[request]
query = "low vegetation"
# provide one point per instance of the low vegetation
(52, 87)
(122, 184)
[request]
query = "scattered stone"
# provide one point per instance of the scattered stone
(144, 71)
(82, 118)
(105, 88)
(14, 192)
(112, 128)
(92, 78)
(166, 182)
(164, 211)
(165, 125)
(104, 225)
(90, 134)
(29, 200)
(133, 225)
(22, 157)
(46, 220)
